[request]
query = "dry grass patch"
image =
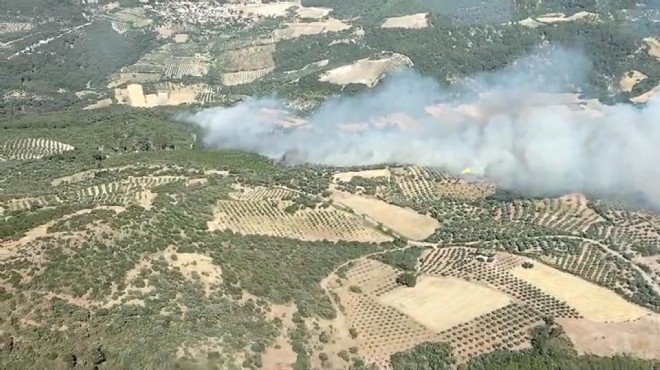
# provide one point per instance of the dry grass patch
(297, 29)
(250, 58)
(313, 12)
(404, 221)
(367, 174)
(196, 267)
(556, 18)
(639, 337)
(440, 303)
(595, 303)
(419, 20)
(654, 46)
(630, 79)
(643, 98)
(366, 71)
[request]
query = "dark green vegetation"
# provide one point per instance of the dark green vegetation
(79, 60)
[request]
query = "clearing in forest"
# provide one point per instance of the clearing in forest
(595, 303)
(441, 303)
(419, 20)
(555, 18)
(294, 30)
(404, 221)
(366, 71)
(367, 174)
(630, 79)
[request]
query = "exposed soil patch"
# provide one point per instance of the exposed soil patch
(638, 337)
(405, 221)
(592, 301)
(419, 20)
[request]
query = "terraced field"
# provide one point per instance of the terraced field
(569, 214)
(32, 148)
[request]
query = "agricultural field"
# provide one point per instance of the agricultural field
(305, 267)
(129, 241)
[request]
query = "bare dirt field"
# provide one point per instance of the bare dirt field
(639, 337)
(441, 303)
(654, 46)
(366, 71)
(168, 94)
(630, 79)
(297, 29)
(419, 20)
(367, 174)
(313, 12)
(595, 303)
(250, 58)
(405, 221)
(555, 18)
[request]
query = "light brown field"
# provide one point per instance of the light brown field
(367, 174)
(167, 94)
(595, 303)
(556, 18)
(643, 98)
(639, 337)
(297, 29)
(419, 20)
(366, 71)
(250, 58)
(313, 12)
(440, 303)
(404, 221)
(630, 79)
(654, 46)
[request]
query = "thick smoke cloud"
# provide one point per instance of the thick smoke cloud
(512, 133)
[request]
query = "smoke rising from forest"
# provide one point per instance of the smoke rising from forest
(510, 133)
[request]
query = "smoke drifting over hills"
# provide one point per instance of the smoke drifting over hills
(513, 134)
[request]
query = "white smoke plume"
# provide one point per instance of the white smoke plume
(512, 132)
